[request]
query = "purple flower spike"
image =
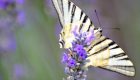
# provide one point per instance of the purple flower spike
(20, 1)
(19, 70)
(2, 5)
(65, 58)
(72, 62)
(89, 37)
(21, 17)
(5, 3)
(77, 56)
(74, 31)
(78, 48)
(82, 54)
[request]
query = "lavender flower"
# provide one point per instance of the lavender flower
(65, 58)
(85, 38)
(81, 53)
(6, 3)
(12, 14)
(14, 9)
(72, 63)
(78, 48)
(19, 71)
(75, 58)
(21, 17)
(20, 2)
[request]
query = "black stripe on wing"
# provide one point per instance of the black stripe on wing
(81, 25)
(62, 7)
(73, 13)
(85, 19)
(72, 9)
(81, 15)
(69, 4)
(112, 43)
(115, 47)
(89, 26)
(117, 55)
(125, 58)
(103, 49)
(97, 44)
(127, 68)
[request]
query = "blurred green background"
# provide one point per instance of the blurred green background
(37, 55)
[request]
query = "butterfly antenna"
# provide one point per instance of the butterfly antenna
(100, 22)
(97, 18)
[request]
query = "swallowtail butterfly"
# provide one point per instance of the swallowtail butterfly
(103, 52)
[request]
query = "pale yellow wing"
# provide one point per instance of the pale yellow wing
(105, 53)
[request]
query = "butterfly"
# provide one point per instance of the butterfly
(102, 52)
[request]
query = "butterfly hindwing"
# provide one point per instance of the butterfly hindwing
(105, 53)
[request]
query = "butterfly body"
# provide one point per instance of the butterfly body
(102, 51)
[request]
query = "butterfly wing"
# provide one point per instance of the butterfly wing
(70, 16)
(105, 53)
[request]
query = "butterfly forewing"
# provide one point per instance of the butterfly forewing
(70, 16)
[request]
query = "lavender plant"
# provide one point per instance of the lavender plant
(75, 57)
(11, 15)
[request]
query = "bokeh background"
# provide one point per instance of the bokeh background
(29, 29)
